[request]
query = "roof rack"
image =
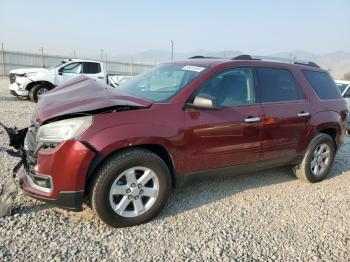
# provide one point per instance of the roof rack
(277, 59)
(206, 57)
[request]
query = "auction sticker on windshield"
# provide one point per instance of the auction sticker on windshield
(193, 68)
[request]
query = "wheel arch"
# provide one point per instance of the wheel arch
(32, 84)
(157, 149)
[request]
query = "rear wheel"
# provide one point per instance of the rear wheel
(130, 188)
(318, 159)
(37, 90)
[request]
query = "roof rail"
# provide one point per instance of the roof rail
(201, 57)
(277, 59)
(243, 57)
(309, 63)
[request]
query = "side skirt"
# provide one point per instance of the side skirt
(238, 169)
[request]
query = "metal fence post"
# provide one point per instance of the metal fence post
(3, 58)
(42, 57)
(132, 66)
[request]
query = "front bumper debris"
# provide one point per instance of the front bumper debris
(16, 138)
(6, 197)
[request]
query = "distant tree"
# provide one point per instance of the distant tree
(347, 76)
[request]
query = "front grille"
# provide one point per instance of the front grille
(12, 78)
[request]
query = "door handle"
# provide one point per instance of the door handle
(100, 77)
(252, 119)
(303, 114)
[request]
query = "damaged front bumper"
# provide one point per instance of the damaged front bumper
(54, 174)
(70, 200)
(57, 175)
(17, 90)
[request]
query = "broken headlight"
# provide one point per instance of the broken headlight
(68, 129)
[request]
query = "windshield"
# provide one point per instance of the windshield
(162, 82)
(55, 66)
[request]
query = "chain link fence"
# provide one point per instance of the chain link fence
(10, 60)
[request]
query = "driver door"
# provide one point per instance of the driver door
(68, 72)
(230, 134)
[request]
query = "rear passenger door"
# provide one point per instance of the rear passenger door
(286, 111)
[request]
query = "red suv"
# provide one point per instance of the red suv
(124, 149)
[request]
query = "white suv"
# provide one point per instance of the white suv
(32, 82)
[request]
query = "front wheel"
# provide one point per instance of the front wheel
(36, 91)
(318, 159)
(130, 188)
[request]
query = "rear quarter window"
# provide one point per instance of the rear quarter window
(323, 84)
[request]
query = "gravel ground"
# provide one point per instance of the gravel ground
(260, 216)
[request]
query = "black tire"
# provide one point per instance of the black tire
(109, 171)
(33, 93)
(303, 170)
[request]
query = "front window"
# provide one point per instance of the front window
(162, 82)
(73, 68)
(233, 87)
(342, 87)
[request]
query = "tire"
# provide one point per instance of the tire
(37, 90)
(127, 162)
(305, 171)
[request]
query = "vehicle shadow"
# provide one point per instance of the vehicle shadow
(39, 206)
(197, 194)
(11, 98)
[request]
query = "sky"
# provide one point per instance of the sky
(126, 27)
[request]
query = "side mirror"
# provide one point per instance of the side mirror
(60, 71)
(202, 102)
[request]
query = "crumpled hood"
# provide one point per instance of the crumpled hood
(27, 71)
(82, 94)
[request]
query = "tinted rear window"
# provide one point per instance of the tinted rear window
(277, 85)
(91, 68)
(323, 84)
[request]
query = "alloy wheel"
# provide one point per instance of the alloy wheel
(134, 192)
(320, 159)
(42, 90)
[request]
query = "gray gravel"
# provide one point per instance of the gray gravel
(260, 216)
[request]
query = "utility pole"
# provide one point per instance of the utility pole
(74, 53)
(172, 50)
(3, 58)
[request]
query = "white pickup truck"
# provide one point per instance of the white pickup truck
(32, 82)
(344, 88)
